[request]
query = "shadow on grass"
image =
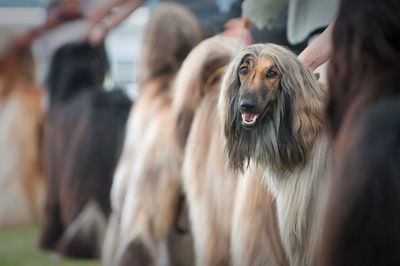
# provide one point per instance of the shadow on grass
(18, 247)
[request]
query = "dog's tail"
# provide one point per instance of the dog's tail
(84, 237)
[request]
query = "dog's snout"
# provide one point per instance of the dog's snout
(247, 105)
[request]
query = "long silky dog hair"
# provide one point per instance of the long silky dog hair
(146, 182)
(290, 125)
(22, 183)
(75, 68)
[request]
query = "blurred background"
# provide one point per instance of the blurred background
(18, 246)
(122, 43)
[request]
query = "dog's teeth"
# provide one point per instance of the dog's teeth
(253, 119)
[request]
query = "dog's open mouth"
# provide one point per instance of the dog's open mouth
(249, 119)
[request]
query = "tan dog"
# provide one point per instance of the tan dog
(21, 118)
(146, 189)
(222, 235)
(271, 107)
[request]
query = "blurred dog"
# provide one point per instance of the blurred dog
(147, 187)
(217, 198)
(84, 130)
(271, 107)
(361, 225)
(364, 117)
(22, 188)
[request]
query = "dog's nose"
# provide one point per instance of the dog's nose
(247, 105)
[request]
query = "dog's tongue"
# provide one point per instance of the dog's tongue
(249, 117)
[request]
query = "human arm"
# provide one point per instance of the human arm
(319, 51)
(58, 13)
(99, 12)
(102, 20)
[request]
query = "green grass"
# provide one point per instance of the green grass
(19, 248)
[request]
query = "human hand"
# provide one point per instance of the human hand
(96, 33)
(315, 54)
(236, 28)
(247, 22)
(97, 25)
(102, 19)
(97, 13)
(320, 49)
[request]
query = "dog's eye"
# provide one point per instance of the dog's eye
(244, 70)
(271, 74)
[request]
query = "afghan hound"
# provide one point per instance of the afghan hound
(272, 110)
(146, 193)
(361, 227)
(222, 236)
(84, 129)
(22, 188)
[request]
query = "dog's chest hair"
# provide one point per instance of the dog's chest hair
(300, 198)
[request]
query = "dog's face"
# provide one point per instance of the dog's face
(270, 106)
(259, 87)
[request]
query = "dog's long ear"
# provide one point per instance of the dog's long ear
(228, 98)
(193, 78)
(302, 104)
(308, 106)
(238, 153)
(229, 85)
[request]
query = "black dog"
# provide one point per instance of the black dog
(84, 132)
